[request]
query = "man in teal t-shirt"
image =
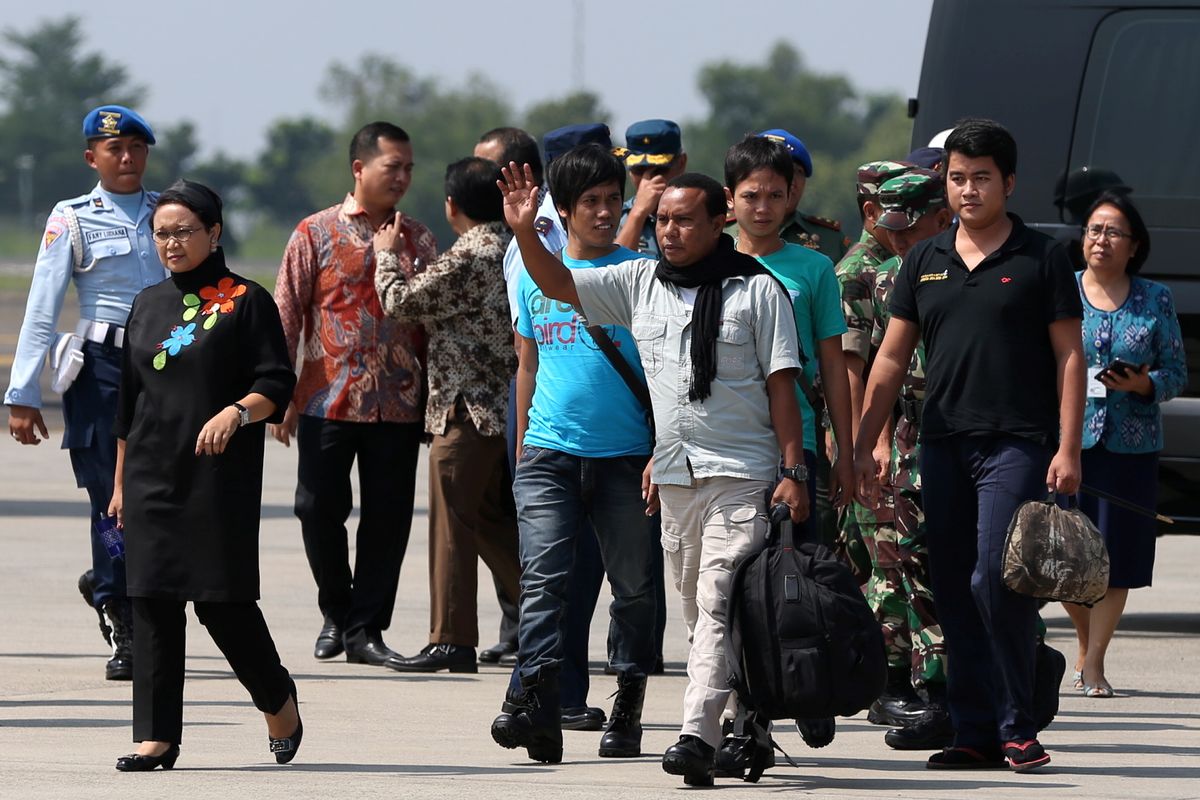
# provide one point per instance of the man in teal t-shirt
(584, 444)
(758, 177)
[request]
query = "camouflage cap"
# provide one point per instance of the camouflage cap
(909, 197)
(872, 174)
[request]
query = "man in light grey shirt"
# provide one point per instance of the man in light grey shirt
(718, 344)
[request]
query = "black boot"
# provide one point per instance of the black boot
(692, 758)
(932, 731)
(535, 719)
(87, 589)
(623, 735)
(899, 705)
(119, 614)
(746, 750)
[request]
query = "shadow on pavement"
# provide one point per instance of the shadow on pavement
(397, 769)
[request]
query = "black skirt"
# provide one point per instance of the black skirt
(1130, 537)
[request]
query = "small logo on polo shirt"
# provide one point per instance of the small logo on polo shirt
(1006, 279)
(935, 276)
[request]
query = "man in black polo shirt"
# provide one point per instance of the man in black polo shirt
(999, 310)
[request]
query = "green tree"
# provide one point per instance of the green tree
(444, 124)
(47, 85)
(841, 127)
(172, 155)
(280, 184)
(575, 108)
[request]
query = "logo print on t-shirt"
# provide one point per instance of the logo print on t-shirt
(1006, 279)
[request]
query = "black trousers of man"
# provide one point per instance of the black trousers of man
(360, 604)
(240, 632)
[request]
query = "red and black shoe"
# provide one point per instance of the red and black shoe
(1025, 756)
(966, 758)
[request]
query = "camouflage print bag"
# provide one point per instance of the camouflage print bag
(1054, 553)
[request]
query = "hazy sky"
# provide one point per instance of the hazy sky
(233, 67)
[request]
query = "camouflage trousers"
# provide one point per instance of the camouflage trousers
(898, 587)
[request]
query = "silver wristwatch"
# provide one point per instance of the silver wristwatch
(243, 415)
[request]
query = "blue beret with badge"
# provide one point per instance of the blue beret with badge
(794, 146)
(560, 140)
(109, 121)
(652, 142)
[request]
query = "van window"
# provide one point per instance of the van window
(1138, 111)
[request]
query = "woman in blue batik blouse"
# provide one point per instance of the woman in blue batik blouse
(1131, 320)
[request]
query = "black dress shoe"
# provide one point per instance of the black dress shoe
(495, 653)
(583, 718)
(138, 763)
(371, 651)
(933, 732)
(329, 642)
(692, 758)
(437, 657)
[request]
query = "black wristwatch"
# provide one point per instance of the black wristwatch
(243, 414)
(798, 473)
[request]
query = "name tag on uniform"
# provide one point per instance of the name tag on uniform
(108, 233)
(1094, 387)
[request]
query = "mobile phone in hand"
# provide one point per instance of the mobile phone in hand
(1120, 369)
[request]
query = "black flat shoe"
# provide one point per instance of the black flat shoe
(329, 642)
(139, 763)
(285, 749)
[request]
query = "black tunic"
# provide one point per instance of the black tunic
(195, 344)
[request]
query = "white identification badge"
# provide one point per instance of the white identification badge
(1094, 387)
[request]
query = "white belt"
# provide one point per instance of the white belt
(100, 332)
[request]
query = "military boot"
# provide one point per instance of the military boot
(932, 731)
(534, 721)
(119, 614)
(87, 589)
(899, 705)
(746, 747)
(623, 735)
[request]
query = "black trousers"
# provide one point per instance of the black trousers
(240, 632)
(971, 487)
(387, 469)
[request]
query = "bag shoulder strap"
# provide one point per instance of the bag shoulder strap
(636, 385)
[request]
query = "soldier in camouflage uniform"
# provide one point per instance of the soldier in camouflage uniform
(914, 208)
(856, 278)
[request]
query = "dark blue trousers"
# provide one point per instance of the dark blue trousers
(972, 485)
(89, 411)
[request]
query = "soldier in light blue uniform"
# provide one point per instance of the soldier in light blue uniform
(654, 155)
(102, 241)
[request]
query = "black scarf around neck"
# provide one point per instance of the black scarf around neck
(707, 275)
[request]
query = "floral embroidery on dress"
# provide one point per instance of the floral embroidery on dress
(181, 336)
(212, 302)
(220, 298)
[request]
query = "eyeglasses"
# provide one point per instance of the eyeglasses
(1094, 232)
(180, 235)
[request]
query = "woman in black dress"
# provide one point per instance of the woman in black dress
(205, 364)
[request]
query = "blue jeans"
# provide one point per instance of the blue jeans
(971, 486)
(557, 496)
